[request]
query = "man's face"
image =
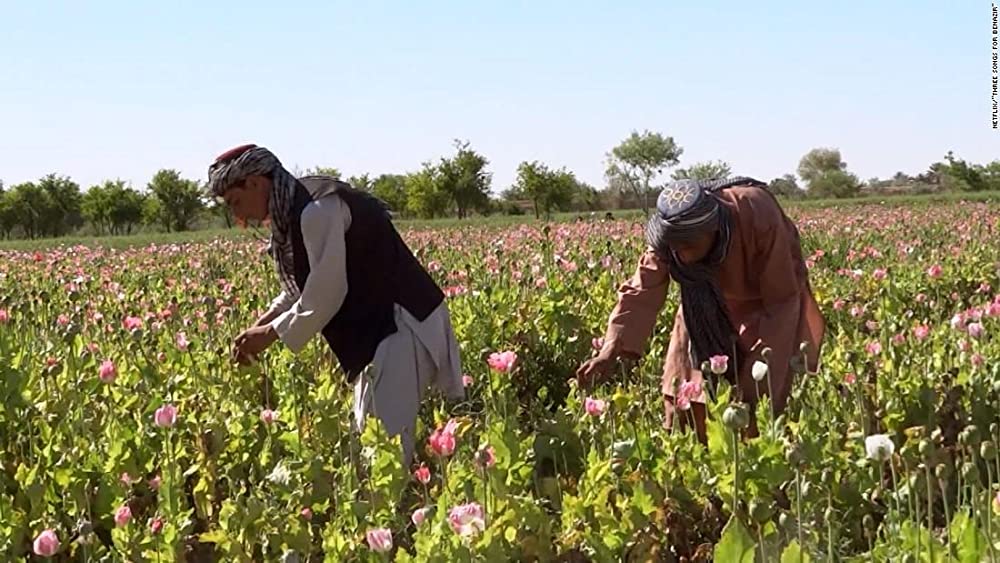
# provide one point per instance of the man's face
(248, 199)
(696, 249)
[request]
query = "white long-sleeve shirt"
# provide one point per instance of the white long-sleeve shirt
(323, 223)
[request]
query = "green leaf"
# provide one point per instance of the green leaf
(971, 546)
(794, 554)
(643, 501)
(736, 543)
(510, 534)
(62, 476)
(214, 536)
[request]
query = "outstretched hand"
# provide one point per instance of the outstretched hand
(598, 369)
(251, 342)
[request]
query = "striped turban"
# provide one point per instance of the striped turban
(685, 211)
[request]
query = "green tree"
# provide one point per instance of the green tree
(322, 171)
(959, 175)
(465, 180)
(991, 173)
(96, 208)
(786, 186)
(113, 207)
(391, 188)
(703, 171)
(638, 160)
(63, 216)
(362, 182)
(7, 218)
(31, 206)
(424, 196)
(178, 201)
(587, 197)
(547, 189)
(126, 208)
(826, 175)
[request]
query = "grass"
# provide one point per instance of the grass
(493, 221)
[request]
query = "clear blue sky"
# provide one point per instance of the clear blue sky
(121, 89)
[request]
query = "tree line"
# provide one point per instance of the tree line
(458, 185)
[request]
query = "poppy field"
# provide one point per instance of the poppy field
(126, 433)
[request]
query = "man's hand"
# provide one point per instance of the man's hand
(597, 369)
(251, 342)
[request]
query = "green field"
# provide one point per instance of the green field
(148, 238)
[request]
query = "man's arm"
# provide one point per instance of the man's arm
(323, 226)
(639, 302)
(279, 305)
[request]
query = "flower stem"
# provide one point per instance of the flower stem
(930, 511)
(829, 528)
(947, 515)
(736, 471)
(798, 510)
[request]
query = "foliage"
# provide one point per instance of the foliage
(321, 171)
(63, 213)
(959, 175)
(548, 190)
(391, 188)
(113, 208)
(703, 171)
(786, 186)
(826, 175)
(638, 160)
(174, 201)
(464, 179)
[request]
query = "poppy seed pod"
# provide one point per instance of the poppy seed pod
(926, 448)
(988, 450)
(736, 416)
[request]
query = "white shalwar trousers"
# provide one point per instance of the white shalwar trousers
(419, 356)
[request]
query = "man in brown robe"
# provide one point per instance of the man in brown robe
(738, 260)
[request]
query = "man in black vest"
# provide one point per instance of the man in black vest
(345, 273)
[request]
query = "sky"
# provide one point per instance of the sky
(118, 90)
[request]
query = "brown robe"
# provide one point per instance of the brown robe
(765, 284)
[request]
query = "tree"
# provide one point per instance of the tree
(177, 201)
(465, 180)
(126, 207)
(362, 182)
(961, 176)
(991, 173)
(547, 189)
(826, 175)
(424, 197)
(113, 207)
(638, 160)
(587, 197)
(63, 215)
(819, 161)
(96, 208)
(703, 171)
(322, 171)
(31, 206)
(7, 218)
(391, 188)
(786, 186)
(836, 184)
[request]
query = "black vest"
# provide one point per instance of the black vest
(381, 271)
